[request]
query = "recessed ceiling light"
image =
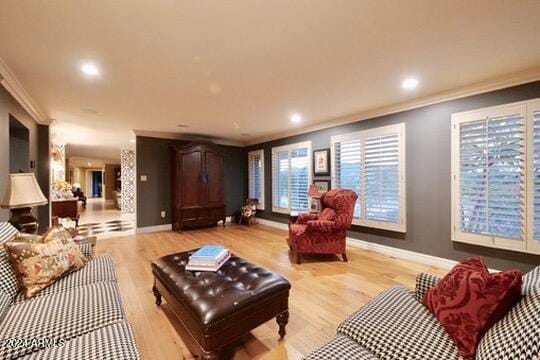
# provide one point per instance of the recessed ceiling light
(295, 118)
(90, 69)
(89, 164)
(245, 134)
(409, 83)
(182, 125)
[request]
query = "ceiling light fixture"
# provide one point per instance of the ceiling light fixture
(90, 69)
(409, 83)
(182, 126)
(295, 118)
(132, 140)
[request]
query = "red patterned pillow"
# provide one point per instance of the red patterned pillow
(469, 300)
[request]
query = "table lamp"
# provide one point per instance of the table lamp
(314, 195)
(22, 194)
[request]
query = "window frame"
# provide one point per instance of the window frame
(288, 148)
(362, 135)
(260, 205)
(526, 243)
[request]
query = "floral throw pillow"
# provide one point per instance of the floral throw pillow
(39, 264)
(469, 300)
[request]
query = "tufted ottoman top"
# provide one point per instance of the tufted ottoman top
(212, 296)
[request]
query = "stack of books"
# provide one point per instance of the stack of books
(208, 258)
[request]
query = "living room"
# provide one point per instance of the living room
(305, 179)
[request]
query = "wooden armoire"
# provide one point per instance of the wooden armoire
(197, 185)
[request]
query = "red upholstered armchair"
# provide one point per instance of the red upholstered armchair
(324, 233)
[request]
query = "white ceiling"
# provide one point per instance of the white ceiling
(227, 68)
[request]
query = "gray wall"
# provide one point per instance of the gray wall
(428, 178)
(154, 195)
(38, 150)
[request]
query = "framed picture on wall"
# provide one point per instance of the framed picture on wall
(322, 185)
(321, 162)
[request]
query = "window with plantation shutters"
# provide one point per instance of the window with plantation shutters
(256, 176)
(494, 153)
(291, 176)
(372, 164)
(534, 179)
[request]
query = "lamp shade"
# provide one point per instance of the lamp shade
(313, 191)
(23, 191)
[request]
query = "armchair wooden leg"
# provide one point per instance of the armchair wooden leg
(298, 258)
(344, 256)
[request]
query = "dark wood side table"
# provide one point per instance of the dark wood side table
(67, 208)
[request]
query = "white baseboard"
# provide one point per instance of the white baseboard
(155, 228)
(164, 227)
(271, 223)
(430, 260)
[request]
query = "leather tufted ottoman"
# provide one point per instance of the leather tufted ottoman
(216, 308)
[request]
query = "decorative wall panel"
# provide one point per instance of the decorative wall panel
(127, 165)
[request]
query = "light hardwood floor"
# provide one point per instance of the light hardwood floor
(325, 291)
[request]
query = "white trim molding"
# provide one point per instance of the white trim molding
(153, 229)
(14, 87)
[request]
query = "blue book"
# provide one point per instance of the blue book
(208, 252)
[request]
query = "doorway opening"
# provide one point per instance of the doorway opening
(98, 180)
(19, 146)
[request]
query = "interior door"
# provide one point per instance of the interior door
(214, 176)
(191, 174)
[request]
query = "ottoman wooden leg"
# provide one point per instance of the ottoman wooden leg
(282, 320)
(210, 355)
(157, 295)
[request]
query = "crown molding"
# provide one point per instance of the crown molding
(14, 87)
(187, 137)
(493, 84)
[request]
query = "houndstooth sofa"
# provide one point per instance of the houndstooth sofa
(81, 313)
(395, 325)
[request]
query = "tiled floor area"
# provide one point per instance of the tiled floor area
(102, 218)
(106, 227)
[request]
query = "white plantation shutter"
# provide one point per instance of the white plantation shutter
(372, 163)
(291, 176)
(536, 173)
(256, 176)
(492, 176)
(299, 179)
(494, 151)
(348, 169)
(382, 178)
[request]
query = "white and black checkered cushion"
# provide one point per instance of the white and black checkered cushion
(424, 282)
(63, 315)
(341, 348)
(394, 325)
(96, 270)
(531, 282)
(110, 342)
(517, 335)
(8, 277)
(87, 250)
(5, 302)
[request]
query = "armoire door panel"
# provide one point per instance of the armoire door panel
(191, 179)
(214, 178)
